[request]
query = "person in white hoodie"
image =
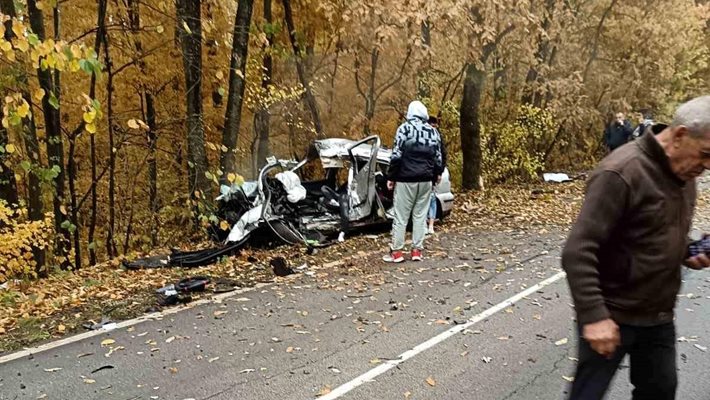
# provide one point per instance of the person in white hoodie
(416, 162)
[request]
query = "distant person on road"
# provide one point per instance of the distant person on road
(414, 165)
(434, 122)
(617, 133)
(623, 256)
(645, 123)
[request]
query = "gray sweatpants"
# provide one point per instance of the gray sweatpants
(410, 199)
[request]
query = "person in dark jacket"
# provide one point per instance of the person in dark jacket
(623, 256)
(617, 133)
(414, 164)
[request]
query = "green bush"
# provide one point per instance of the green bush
(514, 151)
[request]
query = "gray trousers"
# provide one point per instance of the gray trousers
(410, 199)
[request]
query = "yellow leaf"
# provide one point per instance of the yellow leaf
(39, 5)
(61, 328)
(89, 381)
(89, 116)
(91, 128)
(23, 110)
(219, 75)
(430, 381)
(5, 123)
(224, 149)
(325, 390)
(133, 124)
(10, 54)
(224, 225)
(22, 45)
(231, 177)
(63, 209)
(5, 45)
(74, 66)
(38, 94)
(107, 342)
(187, 28)
(160, 29)
(17, 28)
(10, 148)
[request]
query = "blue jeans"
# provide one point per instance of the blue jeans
(432, 206)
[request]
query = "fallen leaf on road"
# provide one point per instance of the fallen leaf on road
(219, 313)
(107, 342)
(246, 371)
(89, 381)
(407, 394)
(701, 348)
(325, 390)
(430, 381)
(84, 355)
(113, 349)
(561, 342)
(173, 370)
(486, 359)
(52, 369)
(289, 349)
(334, 370)
(504, 338)
(441, 322)
(213, 359)
(170, 339)
(568, 378)
(375, 361)
(61, 328)
(464, 354)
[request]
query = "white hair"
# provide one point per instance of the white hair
(694, 115)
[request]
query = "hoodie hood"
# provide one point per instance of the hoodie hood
(417, 110)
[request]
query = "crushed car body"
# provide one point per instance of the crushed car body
(339, 187)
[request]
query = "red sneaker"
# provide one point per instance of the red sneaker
(394, 257)
(417, 255)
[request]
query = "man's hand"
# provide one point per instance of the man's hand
(701, 261)
(390, 185)
(603, 336)
(438, 179)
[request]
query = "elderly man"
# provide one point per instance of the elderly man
(415, 163)
(623, 256)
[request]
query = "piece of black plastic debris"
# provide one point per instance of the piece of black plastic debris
(192, 284)
(102, 368)
(280, 266)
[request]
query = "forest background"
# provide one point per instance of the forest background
(122, 117)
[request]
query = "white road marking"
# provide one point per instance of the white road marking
(389, 364)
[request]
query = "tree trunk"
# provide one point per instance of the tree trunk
(189, 15)
(152, 168)
(8, 184)
(262, 118)
(237, 83)
(471, 127)
(423, 85)
(100, 33)
(55, 145)
(371, 98)
(301, 70)
(71, 176)
(111, 250)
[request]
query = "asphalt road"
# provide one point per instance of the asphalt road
(301, 338)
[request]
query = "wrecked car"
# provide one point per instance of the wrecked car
(340, 186)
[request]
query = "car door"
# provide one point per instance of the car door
(361, 177)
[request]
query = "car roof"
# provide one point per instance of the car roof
(333, 149)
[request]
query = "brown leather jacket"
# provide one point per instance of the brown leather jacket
(623, 256)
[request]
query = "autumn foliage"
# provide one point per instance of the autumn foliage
(121, 119)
